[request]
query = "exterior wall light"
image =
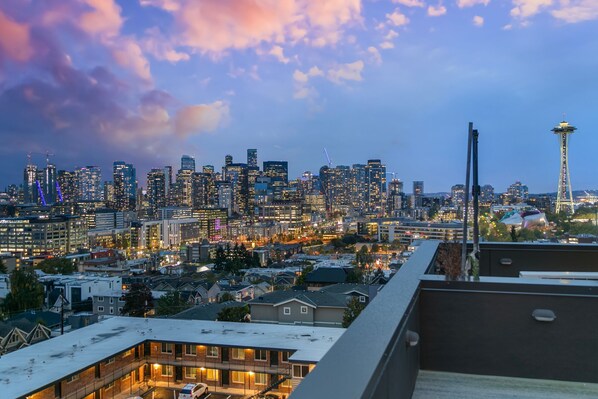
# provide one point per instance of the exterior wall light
(411, 338)
(544, 315)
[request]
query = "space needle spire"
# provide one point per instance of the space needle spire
(564, 196)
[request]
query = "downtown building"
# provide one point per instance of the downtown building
(124, 186)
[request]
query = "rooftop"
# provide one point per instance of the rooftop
(54, 359)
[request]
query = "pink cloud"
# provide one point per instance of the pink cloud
(14, 39)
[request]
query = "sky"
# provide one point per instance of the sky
(145, 81)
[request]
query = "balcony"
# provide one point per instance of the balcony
(426, 337)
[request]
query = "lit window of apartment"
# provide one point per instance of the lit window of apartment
(261, 355)
(211, 374)
(238, 377)
(261, 379)
(167, 371)
(238, 354)
(212, 351)
(190, 350)
(300, 371)
(166, 347)
(287, 383)
(190, 372)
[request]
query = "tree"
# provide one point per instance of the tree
(3, 269)
(56, 266)
(234, 313)
(375, 248)
(301, 279)
(363, 257)
(355, 275)
(220, 259)
(171, 303)
(225, 297)
(25, 291)
(138, 300)
(354, 308)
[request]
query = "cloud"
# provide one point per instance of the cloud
(391, 35)
(527, 8)
(277, 52)
(436, 11)
(216, 26)
(346, 72)
(161, 48)
(103, 18)
(478, 21)
(410, 3)
(397, 18)
(375, 56)
(572, 11)
(471, 3)
(128, 54)
(14, 40)
(301, 79)
(386, 45)
(200, 118)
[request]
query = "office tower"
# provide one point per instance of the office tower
(90, 183)
(278, 172)
(200, 189)
(252, 158)
(156, 191)
(168, 183)
(236, 174)
(184, 188)
(208, 169)
(30, 193)
(225, 195)
(188, 163)
(376, 186)
(564, 196)
(358, 187)
(253, 173)
(336, 187)
(458, 195)
(228, 159)
(49, 184)
(487, 194)
(125, 186)
(109, 198)
(69, 186)
(517, 192)
(396, 197)
(418, 194)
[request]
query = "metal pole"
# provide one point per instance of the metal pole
(475, 190)
(465, 216)
(61, 314)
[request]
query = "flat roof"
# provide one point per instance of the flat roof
(25, 371)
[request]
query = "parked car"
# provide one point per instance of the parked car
(193, 391)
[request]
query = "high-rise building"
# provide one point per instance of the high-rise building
(458, 195)
(376, 186)
(517, 192)
(487, 194)
(125, 186)
(396, 197)
(252, 158)
(30, 192)
(228, 159)
(236, 174)
(188, 163)
(69, 186)
(168, 183)
(336, 187)
(49, 184)
(109, 197)
(358, 187)
(156, 191)
(225, 195)
(418, 194)
(184, 188)
(90, 183)
(208, 169)
(278, 172)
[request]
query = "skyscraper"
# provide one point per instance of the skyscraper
(90, 183)
(49, 184)
(188, 163)
(358, 187)
(395, 197)
(156, 191)
(168, 183)
(228, 159)
(252, 157)
(69, 186)
(30, 193)
(184, 188)
(418, 194)
(125, 186)
(376, 186)
(278, 172)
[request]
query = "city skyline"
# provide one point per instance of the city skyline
(98, 81)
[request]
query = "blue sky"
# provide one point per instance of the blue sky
(93, 81)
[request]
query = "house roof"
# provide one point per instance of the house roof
(312, 298)
(348, 288)
(24, 371)
(47, 318)
(208, 311)
(330, 275)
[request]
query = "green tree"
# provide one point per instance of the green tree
(25, 291)
(56, 266)
(226, 296)
(355, 275)
(301, 279)
(171, 303)
(363, 257)
(375, 248)
(354, 308)
(220, 260)
(138, 300)
(3, 269)
(234, 313)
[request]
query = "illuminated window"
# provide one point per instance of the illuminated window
(261, 379)
(238, 377)
(211, 374)
(190, 372)
(167, 371)
(238, 354)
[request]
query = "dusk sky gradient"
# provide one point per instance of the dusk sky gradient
(145, 81)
